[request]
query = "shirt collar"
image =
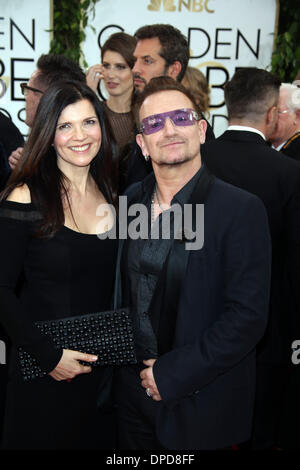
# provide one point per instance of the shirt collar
(245, 128)
(280, 146)
(182, 196)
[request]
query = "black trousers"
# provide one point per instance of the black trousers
(271, 384)
(136, 411)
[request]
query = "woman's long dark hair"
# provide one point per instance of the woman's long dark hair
(38, 166)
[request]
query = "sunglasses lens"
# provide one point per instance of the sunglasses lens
(182, 118)
(179, 117)
(153, 124)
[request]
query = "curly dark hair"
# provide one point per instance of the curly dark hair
(174, 45)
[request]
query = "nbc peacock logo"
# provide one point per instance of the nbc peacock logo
(179, 5)
(155, 5)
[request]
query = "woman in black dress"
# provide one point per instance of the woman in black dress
(48, 238)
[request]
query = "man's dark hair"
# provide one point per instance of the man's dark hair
(156, 85)
(123, 44)
(251, 93)
(174, 45)
(57, 67)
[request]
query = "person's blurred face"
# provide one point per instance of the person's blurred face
(148, 63)
(285, 126)
(78, 135)
(32, 98)
(117, 74)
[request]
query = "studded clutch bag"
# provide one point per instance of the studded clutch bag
(109, 335)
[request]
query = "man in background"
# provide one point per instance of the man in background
(50, 69)
(286, 135)
(10, 138)
(242, 157)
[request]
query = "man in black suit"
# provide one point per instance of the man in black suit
(286, 135)
(198, 294)
(10, 138)
(4, 167)
(242, 157)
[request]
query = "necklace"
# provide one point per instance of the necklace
(158, 200)
(152, 207)
(155, 193)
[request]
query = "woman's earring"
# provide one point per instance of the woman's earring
(146, 158)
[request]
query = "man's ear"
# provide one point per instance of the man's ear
(141, 143)
(202, 125)
(272, 116)
(270, 122)
(298, 115)
(174, 69)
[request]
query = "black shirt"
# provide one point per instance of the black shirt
(145, 259)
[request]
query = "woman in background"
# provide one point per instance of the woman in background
(116, 72)
(48, 234)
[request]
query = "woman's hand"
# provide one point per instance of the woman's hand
(93, 76)
(68, 367)
(14, 157)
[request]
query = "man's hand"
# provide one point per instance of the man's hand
(148, 381)
(93, 76)
(68, 367)
(14, 157)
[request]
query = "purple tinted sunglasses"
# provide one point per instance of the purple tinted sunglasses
(179, 117)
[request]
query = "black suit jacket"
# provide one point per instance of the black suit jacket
(4, 167)
(10, 136)
(292, 147)
(220, 295)
(245, 160)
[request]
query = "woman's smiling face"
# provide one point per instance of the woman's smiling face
(78, 135)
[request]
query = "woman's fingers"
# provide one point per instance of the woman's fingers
(69, 366)
(93, 75)
(79, 356)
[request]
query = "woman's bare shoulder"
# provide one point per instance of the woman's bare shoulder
(20, 194)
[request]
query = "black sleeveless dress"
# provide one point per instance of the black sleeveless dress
(67, 275)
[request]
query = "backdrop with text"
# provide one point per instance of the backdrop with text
(24, 36)
(223, 36)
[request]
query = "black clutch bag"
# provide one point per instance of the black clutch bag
(109, 335)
